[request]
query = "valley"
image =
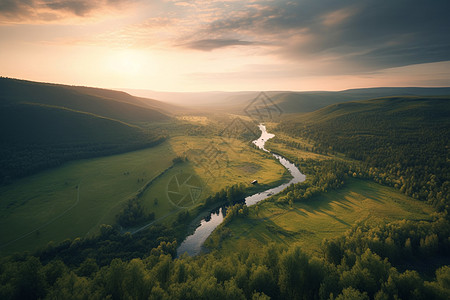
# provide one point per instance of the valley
(105, 184)
(98, 184)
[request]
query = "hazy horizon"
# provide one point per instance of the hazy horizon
(140, 91)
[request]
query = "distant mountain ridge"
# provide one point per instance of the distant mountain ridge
(303, 102)
(287, 101)
(426, 109)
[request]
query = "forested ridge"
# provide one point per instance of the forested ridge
(108, 103)
(403, 142)
(45, 125)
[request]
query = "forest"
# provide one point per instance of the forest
(274, 272)
(399, 142)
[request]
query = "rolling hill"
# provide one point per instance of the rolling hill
(106, 103)
(402, 141)
(44, 125)
(426, 110)
(303, 102)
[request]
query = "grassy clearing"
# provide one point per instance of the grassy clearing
(104, 184)
(202, 120)
(325, 216)
(278, 145)
(240, 164)
(293, 152)
(75, 199)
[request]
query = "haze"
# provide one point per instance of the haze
(227, 45)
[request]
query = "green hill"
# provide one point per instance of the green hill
(50, 125)
(302, 102)
(402, 141)
(107, 103)
(414, 111)
(44, 125)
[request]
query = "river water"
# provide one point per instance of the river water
(192, 245)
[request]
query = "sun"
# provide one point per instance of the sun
(132, 68)
(126, 62)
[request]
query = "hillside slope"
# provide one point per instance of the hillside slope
(107, 103)
(303, 102)
(402, 141)
(44, 125)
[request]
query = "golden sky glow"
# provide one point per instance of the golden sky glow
(226, 45)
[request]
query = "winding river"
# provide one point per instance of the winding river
(192, 245)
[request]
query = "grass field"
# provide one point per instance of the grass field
(293, 152)
(278, 145)
(75, 199)
(103, 184)
(241, 164)
(325, 216)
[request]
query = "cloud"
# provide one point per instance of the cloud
(76, 7)
(356, 35)
(33, 11)
(337, 17)
(11, 8)
(211, 44)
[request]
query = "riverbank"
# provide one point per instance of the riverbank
(192, 245)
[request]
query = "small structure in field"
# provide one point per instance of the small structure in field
(255, 181)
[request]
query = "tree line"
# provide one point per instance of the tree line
(273, 272)
(408, 150)
(18, 161)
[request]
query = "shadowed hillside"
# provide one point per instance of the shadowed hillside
(107, 103)
(44, 125)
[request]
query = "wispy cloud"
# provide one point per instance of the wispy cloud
(369, 35)
(211, 44)
(35, 11)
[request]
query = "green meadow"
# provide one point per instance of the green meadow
(75, 199)
(327, 215)
(239, 164)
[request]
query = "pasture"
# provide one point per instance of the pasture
(75, 199)
(326, 215)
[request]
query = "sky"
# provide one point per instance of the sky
(231, 45)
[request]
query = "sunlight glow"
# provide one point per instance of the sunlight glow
(126, 62)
